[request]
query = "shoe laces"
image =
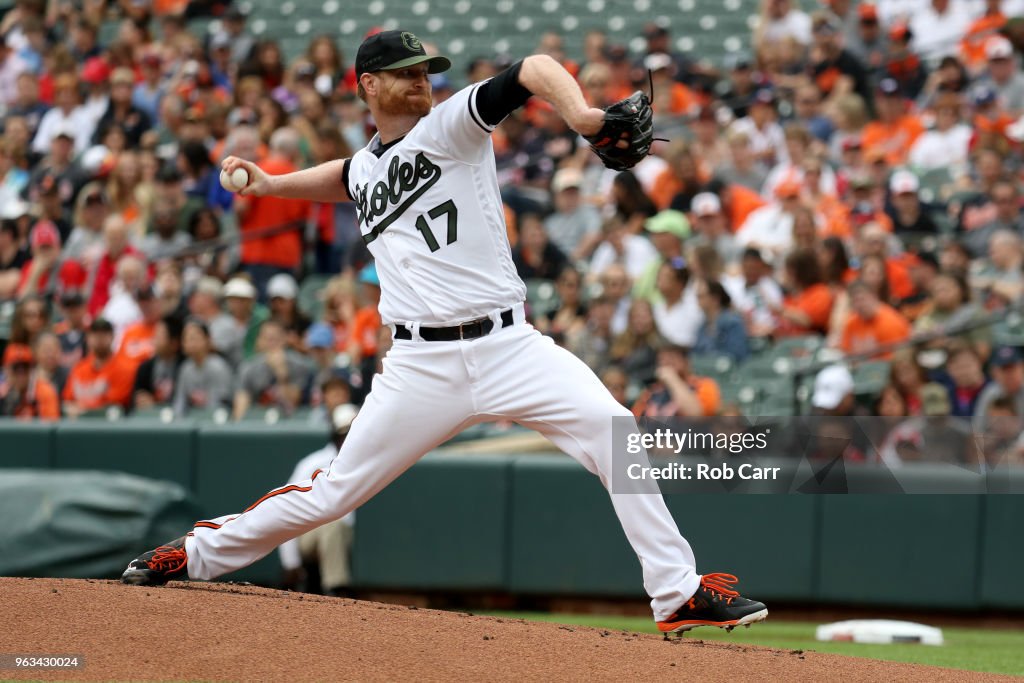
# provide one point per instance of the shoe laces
(720, 586)
(168, 559)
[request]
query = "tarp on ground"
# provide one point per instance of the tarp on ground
(85, 524)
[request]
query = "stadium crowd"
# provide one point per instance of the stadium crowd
(854, 177)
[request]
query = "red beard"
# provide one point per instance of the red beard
(405, 104)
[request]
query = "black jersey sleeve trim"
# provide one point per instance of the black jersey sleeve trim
(498, 97)
(344, 177)
(474, 114)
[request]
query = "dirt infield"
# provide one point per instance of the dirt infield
(196, 631)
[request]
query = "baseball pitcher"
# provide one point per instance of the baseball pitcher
(429, 210)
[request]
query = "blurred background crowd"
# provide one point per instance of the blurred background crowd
(832, 225)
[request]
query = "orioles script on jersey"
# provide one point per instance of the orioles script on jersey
(404, 177)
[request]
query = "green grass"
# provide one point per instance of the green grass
(974, 649)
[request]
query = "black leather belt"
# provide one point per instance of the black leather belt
(471, 330)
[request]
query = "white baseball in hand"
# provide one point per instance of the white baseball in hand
(238, 179)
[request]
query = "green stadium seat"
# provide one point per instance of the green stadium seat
(933, 182)
(870, 377)
(6, 316)
(713, 365)
(804, 392)
(711, 29)
(767, 365)
(541, 296)
(302, 414)
(759, 345)
(742, 394)
(163, 414)
(111, 414)
(827, 354)
(1009, 331)
(219, 415)
(798, 347)
(268, 415)
(767, 397)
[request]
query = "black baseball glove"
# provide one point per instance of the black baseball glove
(628, 131)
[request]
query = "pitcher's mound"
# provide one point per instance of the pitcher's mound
(198, 631)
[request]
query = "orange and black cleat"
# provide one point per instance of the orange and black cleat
(157, 567)
(715, 604)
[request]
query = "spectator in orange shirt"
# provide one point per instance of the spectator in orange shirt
(101, 379)
(366, 324)
(872, 324)
(873, 241)
(264, 257)
(138, 341)
(738, 201)
(807, 308)
(670, 96)
(972, 47)
(846, 220)
(680, 180)
(990, 121)
(25, 394)
(873, 273)
(156, 377)
(895, 130)
(677, 392)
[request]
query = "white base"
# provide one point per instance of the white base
(880, 632)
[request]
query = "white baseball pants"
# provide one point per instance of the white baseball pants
(430, 391)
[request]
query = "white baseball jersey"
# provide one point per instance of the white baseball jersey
(429, 210)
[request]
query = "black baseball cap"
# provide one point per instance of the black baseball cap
(396, 50)
(1005, 356)
(101, 325)
(72, 297)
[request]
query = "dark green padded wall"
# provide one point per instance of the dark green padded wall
(1002, 553)
(26, 444)
(440, 524)
(564, 536)
(148, 449)
(900, 550)
(767, 541)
